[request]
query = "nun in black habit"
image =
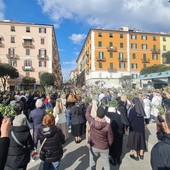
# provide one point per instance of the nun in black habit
(136, 140)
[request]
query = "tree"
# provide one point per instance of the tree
(47, 79)
(126, 81)
(28, 80)
(166, 57)
(7, 71)
(154, 69)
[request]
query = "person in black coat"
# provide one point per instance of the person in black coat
(160, 153)
(77, 121)
(4, 141)
(19, 156)
(53, 138)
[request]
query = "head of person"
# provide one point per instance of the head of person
(48, 120)
(138, 107)
(18, 106)
(101, 112)
(39, 103)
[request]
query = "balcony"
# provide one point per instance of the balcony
(113, 70)
(145, 60)
(42, 57)
(123, 60)
(27, 68)
(155, 51)
(112, 49)
(27, 45)
(101, 59)
(12, 56)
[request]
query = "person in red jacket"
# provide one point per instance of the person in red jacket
(101, 138)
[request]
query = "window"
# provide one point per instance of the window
(42, 30)
(144, 65)
(13, 63)
(42, 53)
(133, 46)
(154, 38)
(42, 63)
(134, 56)
(100, 44)
(27, 51)
(134, 66)
(42, 41)
(121, 45)
(12, 39)
(154, 47)
(13, 28)
(144, 46)
(27, 63)
(144, 56)
(101, 55)
(27, 29)
(11, 52)
(164, 38)
(100, 65)
(121, 65)
(154, 56)
(99, 34)
(121, 35)
(133, 37)
(110, 44)
(164, 47)
(111, 54)
(134, 76)
(144, 37)
(121, 56)
(110, 35)
(111, 66)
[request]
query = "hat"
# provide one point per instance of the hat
(39, 103)
(20, 120)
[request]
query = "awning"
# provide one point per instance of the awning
(27, 38)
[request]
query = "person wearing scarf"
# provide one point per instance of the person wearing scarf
(136, 140)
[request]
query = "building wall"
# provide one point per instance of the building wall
(20, 35)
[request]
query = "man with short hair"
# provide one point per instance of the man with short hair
(101, 138)
(160, 154)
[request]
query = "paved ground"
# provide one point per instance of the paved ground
(76, 155)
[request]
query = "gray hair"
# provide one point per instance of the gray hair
(39, 103)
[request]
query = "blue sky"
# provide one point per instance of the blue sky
(73, 19)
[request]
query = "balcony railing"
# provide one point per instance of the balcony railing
(122, 59)
(101, 59)
(12, 56)
(113, 70)
(155, 51)
(112, 49)
(42, 57)
(28, 45)
(145, 60)
(27, 68)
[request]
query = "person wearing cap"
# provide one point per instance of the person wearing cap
(36, 116)
(100, 139)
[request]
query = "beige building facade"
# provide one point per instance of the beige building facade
(31, 48)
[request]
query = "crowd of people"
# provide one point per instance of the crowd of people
(53, 118)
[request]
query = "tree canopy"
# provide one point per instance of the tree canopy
(166, 57)
(154, 69)
(47, 79)
(28, 80)
(7, 71)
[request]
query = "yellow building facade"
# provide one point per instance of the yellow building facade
(107, 55)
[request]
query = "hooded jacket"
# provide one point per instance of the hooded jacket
(19, 157)
(52, 149)
(101, 136)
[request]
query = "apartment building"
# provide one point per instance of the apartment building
(31, 48)
(107, 55)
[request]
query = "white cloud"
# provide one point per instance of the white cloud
(147, 14)
(77, 38)
(2, 8)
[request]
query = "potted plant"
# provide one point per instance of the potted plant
(7, 111)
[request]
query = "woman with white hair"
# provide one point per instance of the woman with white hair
(36, 117)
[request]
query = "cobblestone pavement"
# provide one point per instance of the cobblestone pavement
(76, 155)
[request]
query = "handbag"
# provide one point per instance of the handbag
(17, 141)
(35, 154)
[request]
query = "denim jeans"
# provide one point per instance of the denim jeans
(95, 153)
(68, 117)
(51, 165)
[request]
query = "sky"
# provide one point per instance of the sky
(72, 19)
